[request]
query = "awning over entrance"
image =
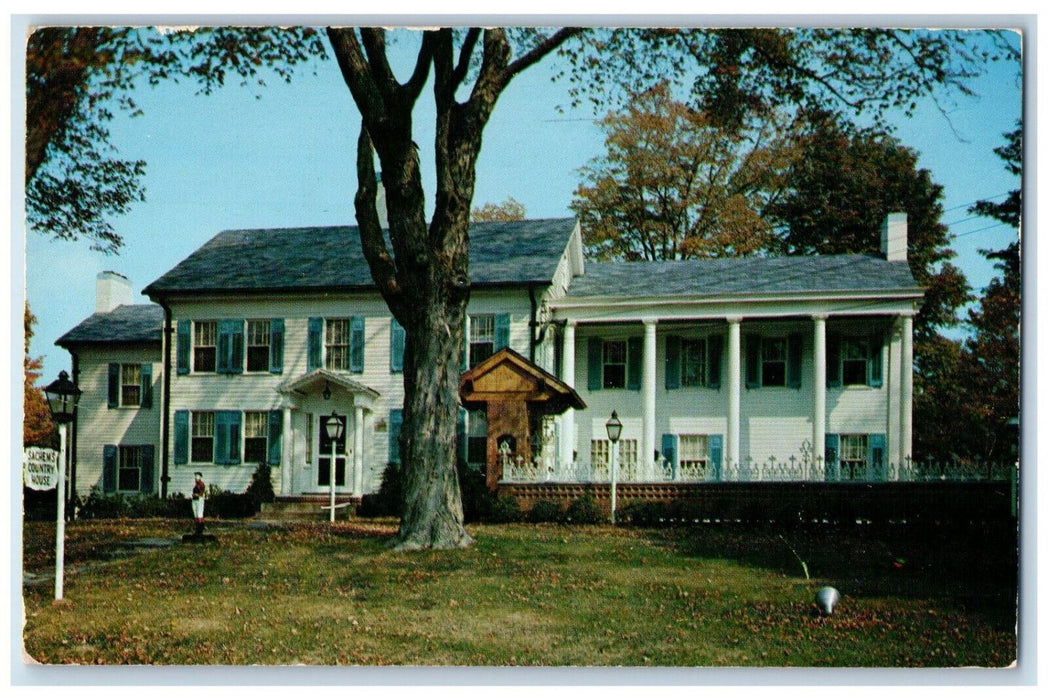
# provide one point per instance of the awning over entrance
(320, 380)
(507, 376)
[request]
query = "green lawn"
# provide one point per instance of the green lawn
(526, 595)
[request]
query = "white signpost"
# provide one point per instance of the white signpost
(41, 472)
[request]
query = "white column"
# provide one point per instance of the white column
(287, 454)
(818, 401)
(358, 450)
(732, 449)
(906, 389)
(647, 390)
(567, 419)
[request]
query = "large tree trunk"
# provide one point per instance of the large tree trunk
(424, 279)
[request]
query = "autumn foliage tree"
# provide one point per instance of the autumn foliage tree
(509, 210)
(673, 185)
(37, 428)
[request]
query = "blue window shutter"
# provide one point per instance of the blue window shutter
(501, 331)
(221, 437)
(109, 468)
(356, 344)
(397, 338)
(833, 444)
(315, 342)
(876, 458)
(181, 437)
(716, 445)
(234, 436)
(276, 430)
(184, 345)
(715, 350)
(753, 361)
(669, 451)
(594, 364)
(875, 367)
(145, 482)
(236, 347)
(276, 346)
(230, 346)
(634, 360)
(672, 364)
(114, 385)
(147, 385)
(833, 360)
(794, 347)
(396, 421)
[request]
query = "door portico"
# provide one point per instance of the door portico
(307, 459)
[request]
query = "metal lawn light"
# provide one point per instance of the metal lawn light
(614, 426)
(62, 397)
(826, 599)
(334, 428)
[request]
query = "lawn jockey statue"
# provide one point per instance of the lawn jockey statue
(199, 489)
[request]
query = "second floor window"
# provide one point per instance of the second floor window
(336, 344)
(481, 338)
(693, 362)
(855, 361)
(205, 337)
(130, 385)
(615, 364)
(258, 346)
(773, 362)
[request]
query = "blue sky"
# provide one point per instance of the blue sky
(284, 156)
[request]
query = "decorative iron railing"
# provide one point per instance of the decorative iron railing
(518, 470)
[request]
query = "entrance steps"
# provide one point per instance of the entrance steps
(308, 508)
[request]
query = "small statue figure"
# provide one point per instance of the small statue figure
(199, 490)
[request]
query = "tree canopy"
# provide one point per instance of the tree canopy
(673, 185)
(37, 426)
(509, 210)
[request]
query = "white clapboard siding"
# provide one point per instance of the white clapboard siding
(99, 425)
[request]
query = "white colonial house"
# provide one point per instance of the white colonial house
(759, 368)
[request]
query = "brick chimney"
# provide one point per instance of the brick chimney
(112, 290)
(894, 237)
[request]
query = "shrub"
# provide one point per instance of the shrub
(388, 501)
(506, 510)
(261, 487)
(645, 514)
(584, 511)
(545, 512)
(226, 504)
(98, 505)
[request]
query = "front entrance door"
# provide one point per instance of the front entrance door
(324, 460)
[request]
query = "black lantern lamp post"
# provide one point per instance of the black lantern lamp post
(62, 397)
(614, 426)
(334, 428)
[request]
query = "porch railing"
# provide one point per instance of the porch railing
(518, 470)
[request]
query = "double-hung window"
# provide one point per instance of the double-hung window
(853, 455)
(205, 343)
(256, 437)
(202, 445)
(694, 456)
(614, 364)
(600, 456)
(336, 344)
(128, 468)
(481, 338)
(129, 473)
(693, 362)
(258, 346)
(773, 361)
(130, 385)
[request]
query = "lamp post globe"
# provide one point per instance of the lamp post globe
(614, 426)
(62, 397)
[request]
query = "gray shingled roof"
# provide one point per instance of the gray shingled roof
(501, 253)
(139, 323)
(753, 275)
